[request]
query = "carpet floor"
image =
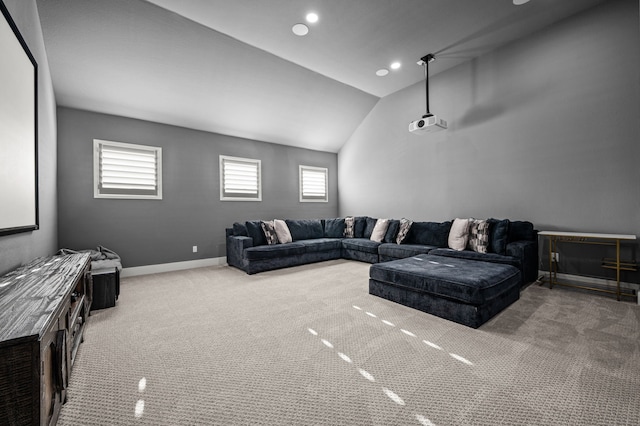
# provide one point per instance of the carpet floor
(309, 346)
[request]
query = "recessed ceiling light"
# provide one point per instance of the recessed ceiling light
(382, 72)
(395, 65)
(300, 29)
(312, 17)
(519, 2)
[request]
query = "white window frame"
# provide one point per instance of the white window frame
(228, 196)
(311, 199)
(129, 192)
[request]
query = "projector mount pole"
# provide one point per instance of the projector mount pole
(424, 61)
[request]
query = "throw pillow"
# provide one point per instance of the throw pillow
(269, 231)
(459, 234)
(282, 231)
(478, 235)
(379, 230)
(361, 223)
(254, 230)
(403, 230)
(349, 227)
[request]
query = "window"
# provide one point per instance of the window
(240, 179)
(123, 170)
(313, 184)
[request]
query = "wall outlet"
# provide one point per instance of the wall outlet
(195, 249)
(555, 256)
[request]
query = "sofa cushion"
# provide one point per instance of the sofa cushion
(380, 230)
(403, 230)
(282, 231)
(321, 244)
(305, 229)
(334, 228)
(392, 231)
(360, 224)
(498, 234)
(370, 223)
(269, 230)
(478, 235)
(274, 251)
(361, 244)
(240, 230)
(459, 234)
(400, 251)
(521, 230)
(349, 227)
(429, 233)
(254, 230)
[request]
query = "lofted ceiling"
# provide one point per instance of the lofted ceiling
(235, 67)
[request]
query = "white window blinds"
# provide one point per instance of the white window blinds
(313, 184)
(240, 179)
(127, 171)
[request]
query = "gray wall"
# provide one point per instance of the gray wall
(20, 248)
(147, 232)
(545, 129)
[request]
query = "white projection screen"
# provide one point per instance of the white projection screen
(18, 131)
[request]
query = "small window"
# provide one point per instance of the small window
(123, 170)
(240, 179)
(313, 184)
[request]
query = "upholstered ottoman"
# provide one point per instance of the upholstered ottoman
(469, 292)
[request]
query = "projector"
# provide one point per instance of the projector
(427, 124)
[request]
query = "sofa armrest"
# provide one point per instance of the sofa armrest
(235, 249)
(527, 252)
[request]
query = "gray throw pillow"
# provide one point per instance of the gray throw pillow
(269, 229)
(478, 235)
(349, 227)
(403, 230)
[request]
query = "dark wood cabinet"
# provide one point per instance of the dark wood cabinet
(43, 310)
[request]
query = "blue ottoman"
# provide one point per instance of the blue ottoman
(469, 292)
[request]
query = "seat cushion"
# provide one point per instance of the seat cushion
(361, 244)
(321, 244)
(274, 251)
(429, 233)
(400, 251)
(467, 281)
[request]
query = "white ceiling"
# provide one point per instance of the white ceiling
(234, 66)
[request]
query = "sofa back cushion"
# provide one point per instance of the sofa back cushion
(360, 224)
(305, 229)
(240, 230)
(369, 224)
(498, 234)
(521, 230)
(392, 231)
(334, 228)
(254, 230)
(429, 233)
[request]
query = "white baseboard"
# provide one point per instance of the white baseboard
(174, 266)
(601, 283)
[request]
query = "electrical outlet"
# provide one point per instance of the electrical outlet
(195, 249)
(555, 256)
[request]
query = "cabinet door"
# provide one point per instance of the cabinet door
(54, 375)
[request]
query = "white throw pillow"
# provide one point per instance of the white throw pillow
(282, 231)
(459, 234)
(379, 230)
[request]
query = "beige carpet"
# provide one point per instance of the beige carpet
(309, 346)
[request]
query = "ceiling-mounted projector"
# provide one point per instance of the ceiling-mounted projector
(427, 124)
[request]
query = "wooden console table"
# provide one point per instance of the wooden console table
(616, 264)
(43, 310)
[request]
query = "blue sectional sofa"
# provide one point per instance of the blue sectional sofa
(313, 240)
